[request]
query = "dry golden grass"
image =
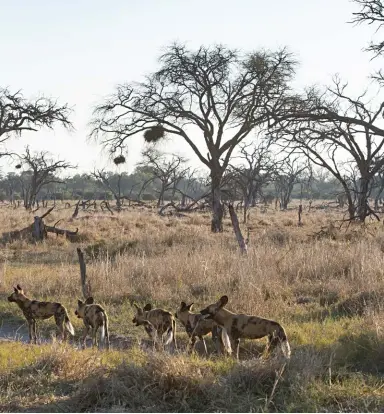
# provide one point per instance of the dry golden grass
(304, 282)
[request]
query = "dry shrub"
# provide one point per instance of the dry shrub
(162, 384)
(362, 303)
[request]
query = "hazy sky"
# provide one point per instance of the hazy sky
(78, 50)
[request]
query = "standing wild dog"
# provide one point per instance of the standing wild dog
(162, 321)
(95, 317)
(246, 326)
(197, 326)
(33, 309)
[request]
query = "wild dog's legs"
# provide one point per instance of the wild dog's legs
(273, 342)
(191, 344)
(60, 325)
(94, 336)
(30, 331)
(34, 331)
(85, 333)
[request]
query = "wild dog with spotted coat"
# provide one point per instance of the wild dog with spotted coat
(197, 327)
(159, 319)
(94, 317)
(34, 309)
(246, 326)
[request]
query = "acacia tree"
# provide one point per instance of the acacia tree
(169, 171)
(40, 171)
(18, 114)
(335, 130)
(256, 171)
(213, 93)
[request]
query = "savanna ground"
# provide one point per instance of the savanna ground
(327, 292)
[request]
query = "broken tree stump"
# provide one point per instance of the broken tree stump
(85, 285)
(236, 228)
(300, 212)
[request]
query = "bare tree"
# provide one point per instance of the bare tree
(169, 171)
(18, 114)
(288, 175)
(40, 171)
(335, 130)
(256, 171)
(216, 93)
(372, 13)
(104, 178)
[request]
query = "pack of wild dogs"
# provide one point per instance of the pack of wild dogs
(225, 327)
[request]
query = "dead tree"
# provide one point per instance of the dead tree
(236, 228)
(85, 285)
(40, 230)
(256, 171)
(18, 114)
(40, 170)
(221, 94)
(169, 171)
(329, 127)
(288, 175)
(104, 178)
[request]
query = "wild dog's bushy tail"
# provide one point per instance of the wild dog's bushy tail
(68, 325)
(284, 344)
(285, 347)
(171, 334)
(104, 333)
(226, 341)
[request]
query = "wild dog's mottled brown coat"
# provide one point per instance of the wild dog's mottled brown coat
(33, 309)
(196, 327)
(246, 326)
(95, 317)
(161, 320)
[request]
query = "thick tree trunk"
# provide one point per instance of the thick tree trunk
(38, 231)
(362, 199)
(217, 206)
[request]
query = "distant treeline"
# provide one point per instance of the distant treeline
(139, 185)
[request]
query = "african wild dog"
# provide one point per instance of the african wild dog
(95, 317)
(33, 309)
(245, 326)
(162, 321)
(196, 327)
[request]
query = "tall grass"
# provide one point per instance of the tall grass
(304, 282)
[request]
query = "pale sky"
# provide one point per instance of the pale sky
(78, 50)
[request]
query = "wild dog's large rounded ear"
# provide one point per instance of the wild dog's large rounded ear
(15, 289)
(79, 302)
(147, 307)
(19, 287)
(223, 301)
(89, 301)
(189, 307)
(183, 305)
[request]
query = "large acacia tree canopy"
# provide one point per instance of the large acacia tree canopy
(218, 90)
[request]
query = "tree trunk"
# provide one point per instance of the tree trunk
(236, 229)
(38, 232)
(217, 206)
(362, 199)
(85, 286)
